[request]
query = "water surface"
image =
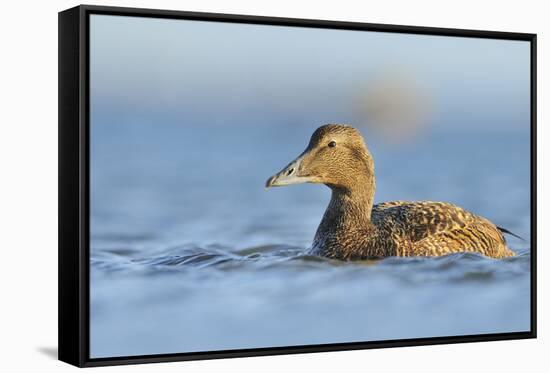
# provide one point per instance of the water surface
(190, 253)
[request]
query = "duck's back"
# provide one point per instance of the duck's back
(435, 228)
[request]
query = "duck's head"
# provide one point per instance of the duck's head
(335, 156)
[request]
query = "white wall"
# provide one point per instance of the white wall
(28, 198)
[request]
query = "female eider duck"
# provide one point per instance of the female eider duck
(353, 228)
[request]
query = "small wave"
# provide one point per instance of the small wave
(459, 267)
(189, 255)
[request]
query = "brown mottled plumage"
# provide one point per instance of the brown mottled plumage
(354, 228)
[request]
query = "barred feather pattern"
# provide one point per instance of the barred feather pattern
(402, 228)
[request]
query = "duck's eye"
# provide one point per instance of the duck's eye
(332, 144)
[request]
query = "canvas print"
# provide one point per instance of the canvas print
(256, 186)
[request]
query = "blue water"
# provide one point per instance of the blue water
(190, 253)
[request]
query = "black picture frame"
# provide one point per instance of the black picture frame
(74, 251)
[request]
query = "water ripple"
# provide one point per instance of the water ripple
(189, 257)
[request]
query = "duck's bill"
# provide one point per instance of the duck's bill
(288, 176)
(281, 180)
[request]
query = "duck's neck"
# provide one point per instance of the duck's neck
(347, 217)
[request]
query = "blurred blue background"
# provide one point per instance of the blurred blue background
(189, 118)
